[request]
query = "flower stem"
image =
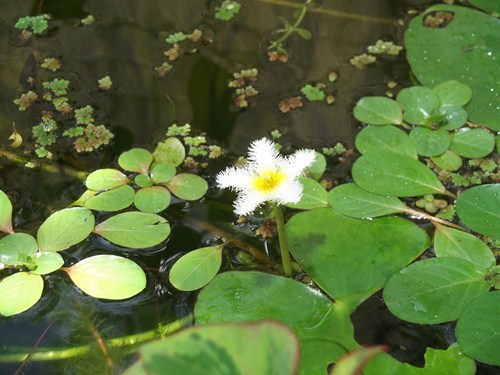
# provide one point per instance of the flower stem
(285, 253)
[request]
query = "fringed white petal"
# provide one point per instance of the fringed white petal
(262, 154)
(295, 164)
(247, 202)
(288, 192)
(234, 178)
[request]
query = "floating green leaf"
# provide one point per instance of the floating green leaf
(385, 138)
(378, 110)
(430, 142)
(478, 328)
(472, 143)
(350, 200)
(143, 180)
(19, 292)
(108, 276)
(420, 104)
(47, 262)
(65, 228)
(227, 10)
(454, 117)
(313, 196)
(170, 151)
(134, 229)
(479, 209)
(388, 173)
(162, 172)
(188, 186)
(17, 249)
(152, 199)
(104, 179)
(449, 161)
(313, 93)
(453, 93)
(434, 290)
(136, 160)
(317, 168)
(5, 213)
(115, 199)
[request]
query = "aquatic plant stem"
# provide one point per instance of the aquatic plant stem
(303, 10)
(285, 253)
(432, 219)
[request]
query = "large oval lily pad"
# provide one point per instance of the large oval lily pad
(115, 199)
(188, 186)
(136, 160)
(19, 292)
(378, 110)
(472, 143)
(152, 199)
(104, 179)
(385, 138)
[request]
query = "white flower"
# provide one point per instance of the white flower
(266, 177)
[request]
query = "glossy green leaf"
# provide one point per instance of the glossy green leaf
(449, 242)
(471, 37)
(47, 262)
(344, 247)
(350, 200)
(65, 228)
(478, 328)
(314, 195)
(454, 117)
(259, 348)
(354, 362)
(143, 180)
(385, 138)
(472, 143)
(479, 209)
(434, 290)
(17, 249)
(134, 229)
(104, 179)
(488, 5)
(453, 93)
(449, 161)
(317, 168)
(378, 110)
(170, 151)
(19, 292)
(115, 199)
(196, 269)
(419, 104)
(136, 160)
(317, 354)
(84, 198)
(188, 186)
(430, 142)
(152, 199)
(108, 276)
(162, 172)
(5, 213)
(387, 173)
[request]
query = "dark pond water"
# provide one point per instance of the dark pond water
(127, 43)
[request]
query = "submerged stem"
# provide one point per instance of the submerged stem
(432, 219)
(277, 43)
(285, 253)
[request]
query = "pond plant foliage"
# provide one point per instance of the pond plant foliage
(437, 138)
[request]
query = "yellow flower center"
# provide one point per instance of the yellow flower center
(268, 180)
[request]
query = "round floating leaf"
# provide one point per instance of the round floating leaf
(317, 168)
(188, 186)
(108, 277)
(393, 174)
(47, 262)
(419, 104)
(162, 172)
(5, 213)
(385, 138)
(344, 247)
(472, 143)
(430, 142)
(479, 209)
(19, 292)
(449, 242)
(478, 328)
(170, 151)
(351, 200)
(143, 180)
(454, 117)
(378, 110)
(115, 199)
(471, 37)
(259, 348)
(104, 179)
(314, 195)
(152, 199)
(134, 229)
(453, 93)
(434, 290)
(17, 249)
(65, 228)
(449, 161)
(195, 269)
(136, 160)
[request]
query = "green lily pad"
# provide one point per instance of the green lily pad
(488, 5)
(449, 161)
(453, 93)
(18, 249)
(115, 199)
(5, 213)
(434, 290)
(430, 142)
(350, 200)
(47, 262)
(479, 209)
(136, 160)
(162, 172)
(104, 179)
(385, 138)
(317, 354)
(170, 151)
(188, 186)
(143, 180)
(108, 276)
(449, 242)
(471, 37)
(378, 110)
(388, 173)
(344, 246)
(65, 228)
(472, 143)
(420, 104)
(196, 269)
(134, 229)
(454, 117)
(317, 168)
(478, 328)
(152, 199)
(314, 195)
(19, 292)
